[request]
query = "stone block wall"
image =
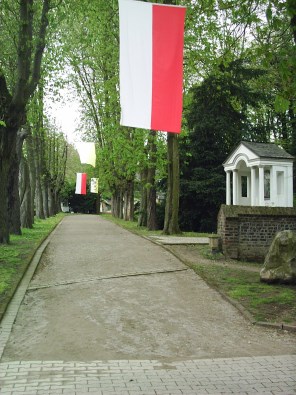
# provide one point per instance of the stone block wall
(247, 232)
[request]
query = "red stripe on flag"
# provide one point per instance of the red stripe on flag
(167, 67)
(83, 183)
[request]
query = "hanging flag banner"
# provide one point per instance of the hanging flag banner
(87, 153)
(151, 65)
(80, 184)
(94, 185)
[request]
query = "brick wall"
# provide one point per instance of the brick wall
(247, 232)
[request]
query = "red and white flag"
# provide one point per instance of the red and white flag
(151, 65)
(80, 184)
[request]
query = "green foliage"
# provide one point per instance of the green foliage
(270, 303)
(281, 104)
(15, 257)
(217, 119)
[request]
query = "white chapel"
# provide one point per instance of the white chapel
(259, 174)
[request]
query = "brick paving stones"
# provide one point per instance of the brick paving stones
(249, 375)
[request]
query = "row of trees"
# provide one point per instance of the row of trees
(239, 82)
(26, 28)
(239, 69)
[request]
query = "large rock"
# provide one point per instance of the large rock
(280, 261)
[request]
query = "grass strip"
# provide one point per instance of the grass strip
(143, 231)
(16, 256)
(273, 303)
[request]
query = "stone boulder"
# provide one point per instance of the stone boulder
(280, 261)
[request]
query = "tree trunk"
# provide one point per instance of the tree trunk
(30, 49)
(142, 219)
(7, 152)
(171, 222)
(151, 192)
(13, 194)
(13, 198)
(57, 202)
(98, 204)
(32, 172)
(117, 206)
(39, 196)
(25, 194)
(120, 203)
(51, 208)
(151, 209)
(129, 201)
(44, 187)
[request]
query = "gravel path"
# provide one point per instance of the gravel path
(101, 292)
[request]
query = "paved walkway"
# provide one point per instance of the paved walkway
(173, 240)
(260, 374)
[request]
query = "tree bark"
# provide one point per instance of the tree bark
(13, 105)
(171, 222)
(38, 191)
(44, 187)
(13, 187)
(98, 204)
(7, 152)
(32, 172)
(151, 189)
(142, 219)
(129, 201)
(117, 203)
(13, 197)
(25, 194)
(51, 204)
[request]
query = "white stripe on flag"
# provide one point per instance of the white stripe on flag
(78, 183)
(135, 63)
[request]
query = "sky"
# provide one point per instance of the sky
(66, 116)
(65, 113)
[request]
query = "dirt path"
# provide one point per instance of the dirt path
(101, 292)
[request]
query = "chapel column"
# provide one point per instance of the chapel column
(228, 188)
(261, 186)
(253, 186)
(288, 185)
(234, 187)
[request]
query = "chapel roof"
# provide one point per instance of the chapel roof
(267, 150)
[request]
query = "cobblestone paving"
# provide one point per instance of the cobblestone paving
(257, 375)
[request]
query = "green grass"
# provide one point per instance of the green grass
(141, 230)
(15, 257)
(274, 303)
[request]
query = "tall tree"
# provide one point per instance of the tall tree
(217, 117)
(16, 91)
